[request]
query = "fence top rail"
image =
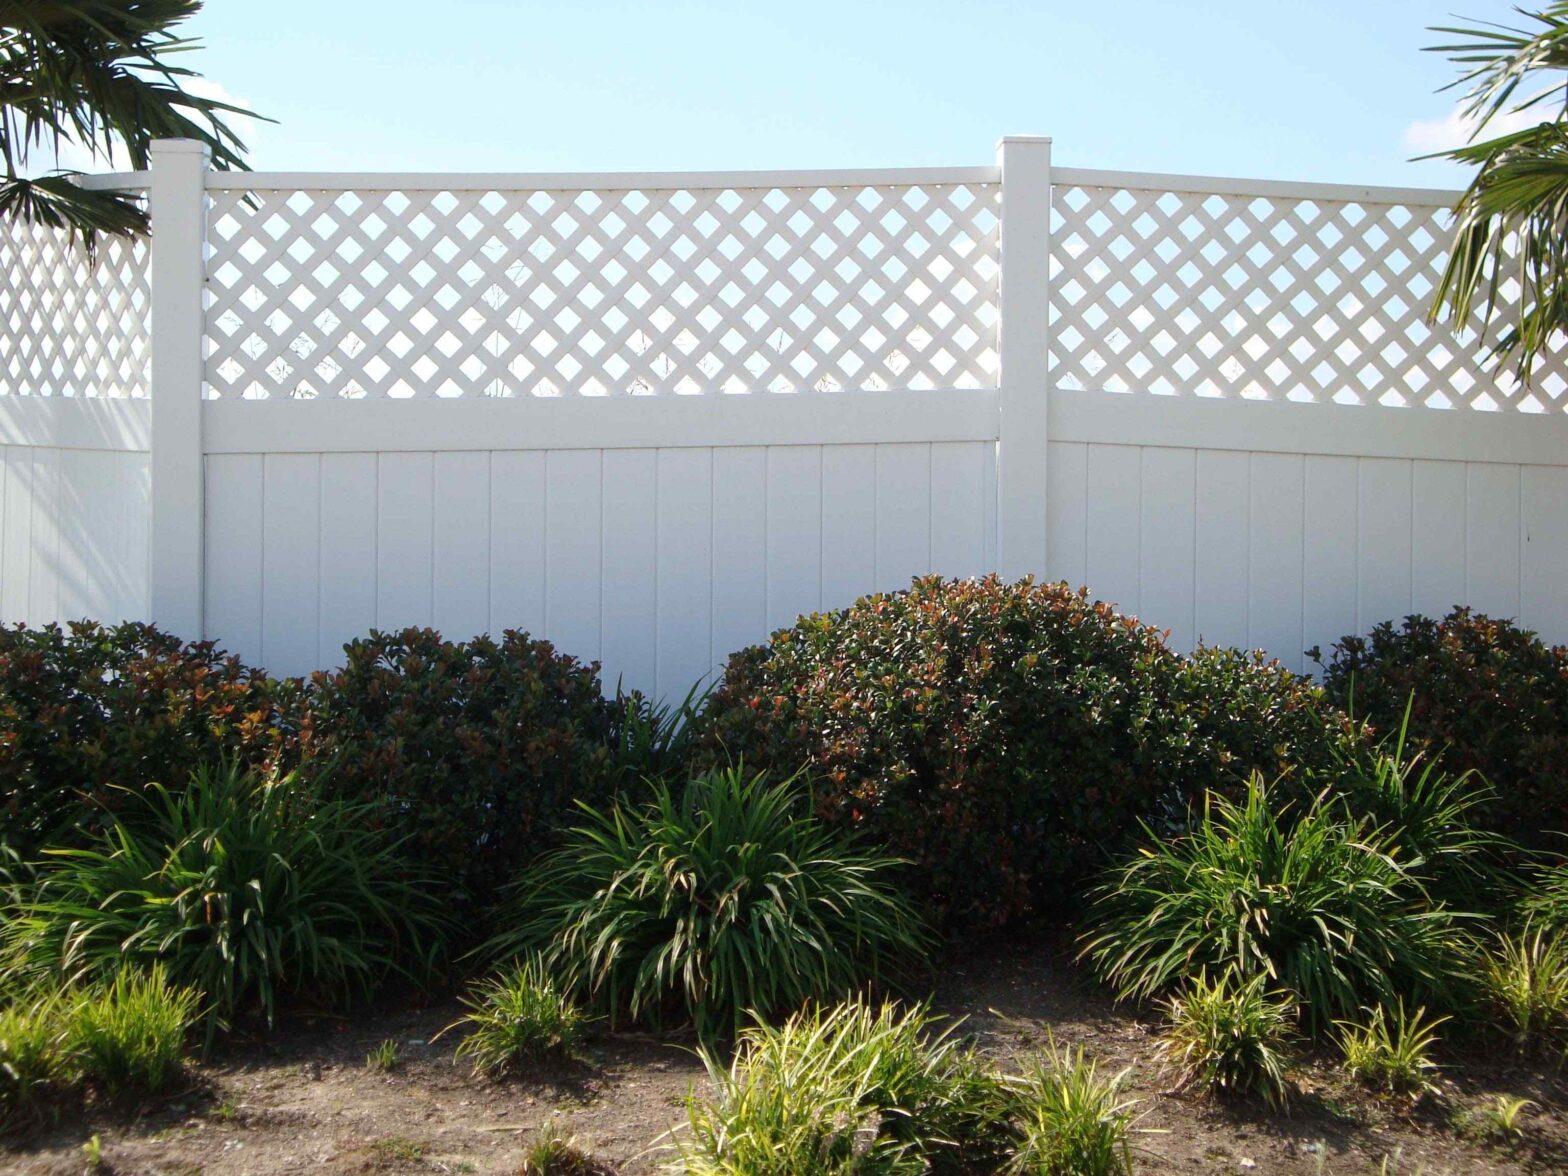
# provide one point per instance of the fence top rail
(110, 180)
(803, 178)
(1089, 177)
(594, 181)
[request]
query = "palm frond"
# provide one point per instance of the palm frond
(98, 73)
(1510, 249)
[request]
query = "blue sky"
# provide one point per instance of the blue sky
(1305, 89)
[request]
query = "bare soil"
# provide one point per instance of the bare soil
(304, 1099)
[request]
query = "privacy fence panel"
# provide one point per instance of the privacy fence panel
(75, 342)
(654, 417)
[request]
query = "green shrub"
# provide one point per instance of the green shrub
(1071, 1121)
(32, 1054)
(1391, 1049)
(245, 888)
(128, 1034)
(1324, 904)
(479, 748)
(1230, 1036)
(517, 1018)
(1488, 695)
(1005, 738)
(1525, 978)
(89, 715)
(724, 900)
(849, 1089)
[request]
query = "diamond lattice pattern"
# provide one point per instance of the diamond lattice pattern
(1266, 298)
(71, 324)
(551, 293)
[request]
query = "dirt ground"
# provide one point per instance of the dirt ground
(304, 1099)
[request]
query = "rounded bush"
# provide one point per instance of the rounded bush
(476, 749)
(1006, 738)
(89, 715)
(710, 905)
(246, 889)
(1489, 696)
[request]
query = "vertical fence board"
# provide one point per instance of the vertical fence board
(1275, 556)
(903, 514)
(517, 541)
(1437, 539)
(460, 536)
(958, 490)
(1383, 536)
(1543, 602)
(17, 573)
(1329, 576)
(740, 548)
(43, 589)
(631, 586)
(849, 523)
(1492, 538)
(348, 552)
(404, 517)
(574, 497)
(1167, 532)
(1066, 514)
(1112, 502)
(1223, 552)
(85, 478)
(794, 532)
(234, 517)
(685, 568)
(290, 562)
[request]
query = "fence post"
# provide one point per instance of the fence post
(177, 206)
(1024, 302)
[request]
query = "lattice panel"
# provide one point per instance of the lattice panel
(546, 293)
(1277, 299)
(70, 325)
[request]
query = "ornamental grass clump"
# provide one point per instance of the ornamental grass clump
(1321, 903)
(1545, 900)
(1071, 1121)
(124, 1036)
(1437, 817)
(32, 1059)
(244, 888)
(852, 1089)
(517, 1018)
(708, 904)
(1230, 1036)
(1391, 1048)
(1524, 976)
(128, 1034)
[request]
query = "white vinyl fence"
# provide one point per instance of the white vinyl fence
(654, 417)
